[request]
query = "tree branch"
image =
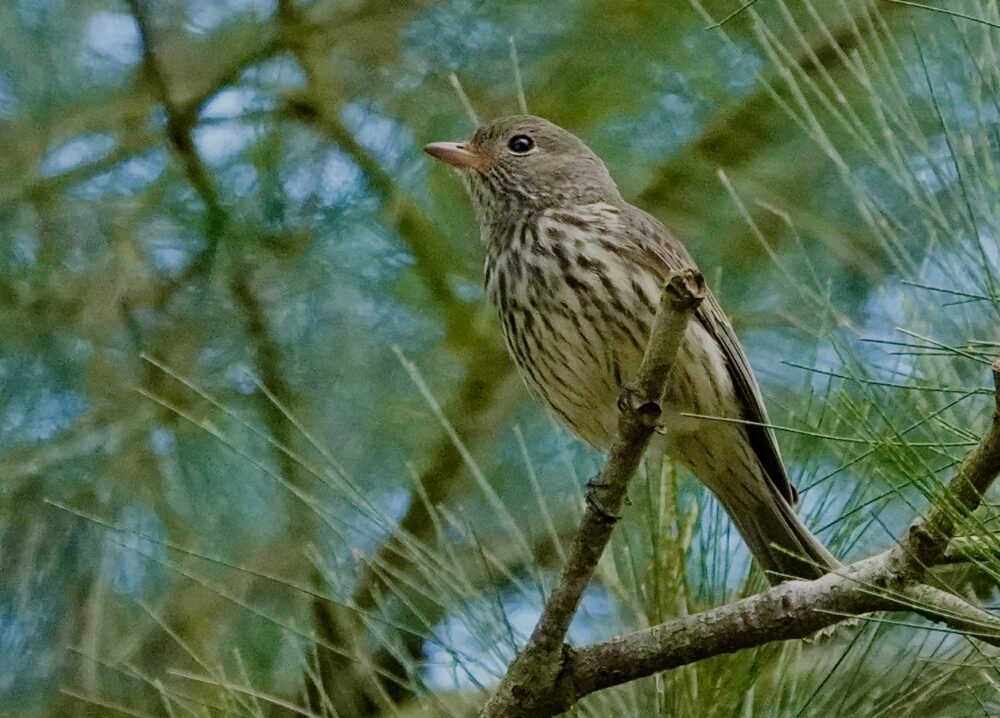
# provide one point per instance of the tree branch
(548, 678)
(971, 549)
(795, 609)
(181, 119)
(535, 671)
(953, 611)
(790, 610)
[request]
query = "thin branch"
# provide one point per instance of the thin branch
(535, 670)
(180, 122)
(953, 611)
(180, 125)
(787, 611)
(928, 540)
(792, 610)
(971, 549)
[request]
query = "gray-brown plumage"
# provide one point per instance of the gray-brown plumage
(576, 272)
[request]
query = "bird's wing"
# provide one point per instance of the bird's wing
(656, 248)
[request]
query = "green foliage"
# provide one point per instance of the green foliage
(242, 340)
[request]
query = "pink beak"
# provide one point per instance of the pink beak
(454, 153)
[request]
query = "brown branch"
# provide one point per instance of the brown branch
(535, 671)
(790, 610)
(952, 611)
(179, 125)
(796, 609)
(548, 678)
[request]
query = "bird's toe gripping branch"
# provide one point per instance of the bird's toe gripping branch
(648, 412)
(592, 495)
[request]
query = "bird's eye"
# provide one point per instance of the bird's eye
(520, 144)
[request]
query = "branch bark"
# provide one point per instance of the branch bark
(548, 677)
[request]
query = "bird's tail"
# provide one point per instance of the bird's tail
(778, 539)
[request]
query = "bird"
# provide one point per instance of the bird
(575, 273)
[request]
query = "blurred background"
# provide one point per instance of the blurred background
(262, 451)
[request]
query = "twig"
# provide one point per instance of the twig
(955, 612)
(788, 611)
(741, 9)
(534, 673)
(180, 121)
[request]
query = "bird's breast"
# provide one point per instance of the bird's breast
(576, 312)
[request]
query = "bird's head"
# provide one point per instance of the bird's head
(524, 163)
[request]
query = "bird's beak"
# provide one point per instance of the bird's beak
(457, 154)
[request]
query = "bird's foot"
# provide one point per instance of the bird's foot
(594, 487)
(648, 412)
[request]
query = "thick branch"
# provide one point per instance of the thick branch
(795, 609)
(790, 610)
(532, 673)
(890, 581)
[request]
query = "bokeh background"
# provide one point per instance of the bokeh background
(261, 449)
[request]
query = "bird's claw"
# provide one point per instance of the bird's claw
(627, 399)
(595, 503)
(648, 412)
